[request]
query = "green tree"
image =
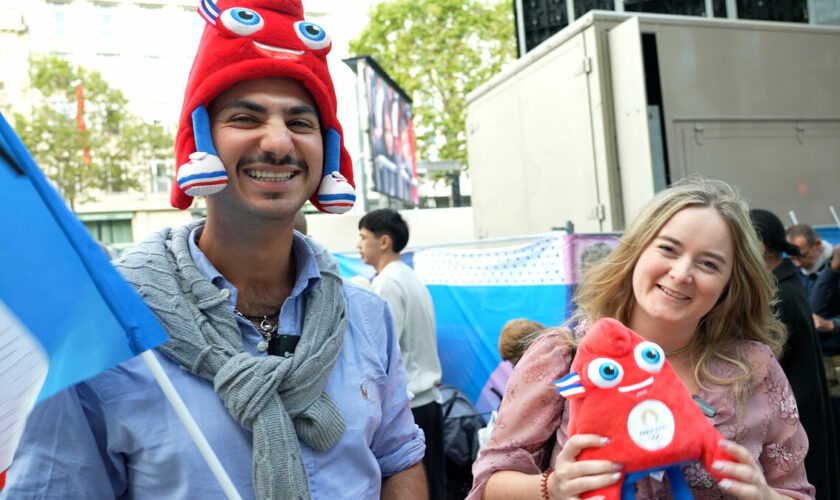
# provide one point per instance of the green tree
(118, 143)
(438, 51)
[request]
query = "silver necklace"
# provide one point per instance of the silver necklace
(266, 328)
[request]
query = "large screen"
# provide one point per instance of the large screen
(391, 138)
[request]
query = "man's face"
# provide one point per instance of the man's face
(810, 253)
(370, 247)
(267, 133)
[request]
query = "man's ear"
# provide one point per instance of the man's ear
(385, 243)
(818, 243)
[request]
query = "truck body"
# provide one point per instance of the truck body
(586, 127)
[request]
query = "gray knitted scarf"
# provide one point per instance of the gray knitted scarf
(278, 399)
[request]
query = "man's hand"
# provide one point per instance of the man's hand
(409, 484)
(835, 260)
(822, 324)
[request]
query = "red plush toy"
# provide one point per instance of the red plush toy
(622, 387)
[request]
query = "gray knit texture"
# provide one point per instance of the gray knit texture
(278, 399)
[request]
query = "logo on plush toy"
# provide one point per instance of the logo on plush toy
(652, 422)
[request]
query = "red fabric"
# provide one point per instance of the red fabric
(225, 58)
(2, 479)
(607, 411)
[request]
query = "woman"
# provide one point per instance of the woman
(511, 349)
(688, 275)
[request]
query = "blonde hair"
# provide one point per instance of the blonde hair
(743, 311)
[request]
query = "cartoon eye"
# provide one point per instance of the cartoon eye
(312, 35)
(242, 21)
(649, 357)
(605, 372)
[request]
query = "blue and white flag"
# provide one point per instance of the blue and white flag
(476, 292)
(66, 314)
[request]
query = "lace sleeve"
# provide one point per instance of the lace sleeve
(530, 413)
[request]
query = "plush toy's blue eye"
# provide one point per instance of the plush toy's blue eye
(649, 357)
(312, 35)
(605, 372)
(242, 21)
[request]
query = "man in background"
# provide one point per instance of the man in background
(382, 235)
(801, 357)
(816, 258)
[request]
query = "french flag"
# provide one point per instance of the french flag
(569, 385)
(337, 203)
(193, 184)
(66, 314)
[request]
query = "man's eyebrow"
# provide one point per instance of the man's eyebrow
(298, 109)
(243, 103)
(302, 109)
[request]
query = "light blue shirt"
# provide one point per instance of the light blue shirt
(116, 435)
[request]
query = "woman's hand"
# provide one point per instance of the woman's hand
(572, 478)
(747, 480)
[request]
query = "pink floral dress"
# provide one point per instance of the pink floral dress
(767, 423)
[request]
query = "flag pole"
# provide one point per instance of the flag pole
(192, 428)
(834, 214)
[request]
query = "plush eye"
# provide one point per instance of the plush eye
(605, 372)
(649, 357)
(312, 35)
(242, 21)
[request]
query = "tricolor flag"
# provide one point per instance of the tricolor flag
(65, 313)
(569, 385)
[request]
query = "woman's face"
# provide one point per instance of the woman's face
(681, 274)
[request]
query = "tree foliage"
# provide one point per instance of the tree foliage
(438, 51)
(119, 143)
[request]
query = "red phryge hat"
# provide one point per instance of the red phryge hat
(250, 39)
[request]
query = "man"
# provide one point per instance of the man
(816, 256)
(300, 223)
(825, 300)
(814, 252)
(295, 379)
(801, 359)
(382, 235)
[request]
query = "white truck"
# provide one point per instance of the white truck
(587, 126)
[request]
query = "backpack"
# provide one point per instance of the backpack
(460, 440)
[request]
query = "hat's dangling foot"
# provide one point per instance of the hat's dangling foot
(203, 175)
(335, 194)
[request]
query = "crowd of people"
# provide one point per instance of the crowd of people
(315, 387)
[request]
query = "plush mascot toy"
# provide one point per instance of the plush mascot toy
(250, 39)
(621, 387)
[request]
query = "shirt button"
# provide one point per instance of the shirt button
(224, 292)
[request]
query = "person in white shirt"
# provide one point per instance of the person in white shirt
(382, 235)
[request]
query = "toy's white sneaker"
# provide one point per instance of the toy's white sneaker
(335, 194)
(203, 175)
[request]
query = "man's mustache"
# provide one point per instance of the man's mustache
(272, 160)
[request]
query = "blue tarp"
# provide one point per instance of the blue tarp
(476, 292)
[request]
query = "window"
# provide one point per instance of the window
(106, 19)
(112, 228)
(794, 11)
(679, 7)
(160, 176)
(59, 17)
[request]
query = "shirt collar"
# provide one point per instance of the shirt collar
(827, 250)
(305, 266)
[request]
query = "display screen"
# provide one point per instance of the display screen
(391, 138)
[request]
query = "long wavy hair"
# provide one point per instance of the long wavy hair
(743, 311)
